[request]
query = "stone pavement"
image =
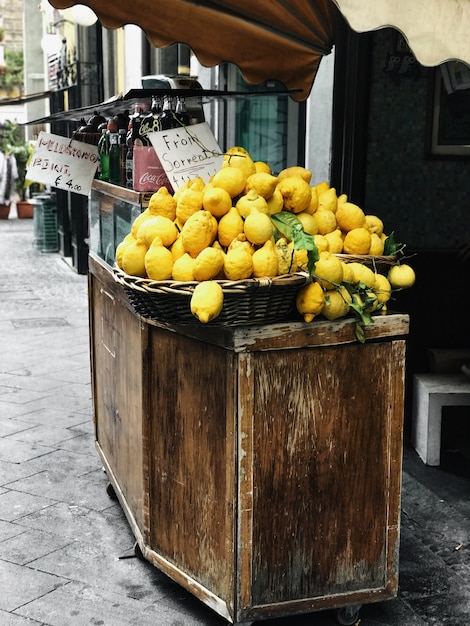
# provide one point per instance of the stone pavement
(66, 550)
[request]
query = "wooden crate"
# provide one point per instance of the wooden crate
(259, 467)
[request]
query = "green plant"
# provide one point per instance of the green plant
(13, 142)
(11, 76)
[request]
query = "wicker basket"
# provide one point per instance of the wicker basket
(252, 301)
(379, 264)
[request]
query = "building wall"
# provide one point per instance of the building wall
(425, 201)
(11, 14)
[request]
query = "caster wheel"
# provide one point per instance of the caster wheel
(348, 615)
(110, 491)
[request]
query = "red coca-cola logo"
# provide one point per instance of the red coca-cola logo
(158, 179)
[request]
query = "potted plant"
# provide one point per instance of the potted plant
(15, 144)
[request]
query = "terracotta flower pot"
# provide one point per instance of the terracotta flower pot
(4, 211)
(24, 209)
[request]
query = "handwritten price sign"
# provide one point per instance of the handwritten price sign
(187, 152)
(63, 163)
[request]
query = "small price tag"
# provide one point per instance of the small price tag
(63, 163)
(187, 152)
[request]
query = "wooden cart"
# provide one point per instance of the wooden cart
(259, 467)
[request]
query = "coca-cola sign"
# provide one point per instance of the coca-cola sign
(149, 175)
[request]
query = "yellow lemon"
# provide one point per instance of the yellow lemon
(335, 241)
(362, 273)
(301, 258)
(348, 273)
(328, 200)
(349, 216)
(321, 243)
(342, 198)
(264, 184)
(163, 203)
(241, 240)
(208, 264)
(217, 201)
(382, 288)
(376, 245)
(239, 157)
(158, 261)
(230, 225)
(158, 226)
(275, 202)
(186, 185)
(145, 215)
(326, 221)
(357, 241)
(296, 193)
(189, 202)
(374, 224)
(261, 166)
(328, 270)
(238, 264)
(286, 257)
(183, 268)
(232, 179)
(197, 232)
(177, 248)
(322, 187)
(296, 170)
(265, 261)
(198, 184)
(313, 206)
(133, 258)
(308, 221)
(258, 227)
(337, 303)
(251, 199)
(129, 238)
(207, 301)
(310, 300)
(401, 276)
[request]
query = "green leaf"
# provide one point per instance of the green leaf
(291, 227)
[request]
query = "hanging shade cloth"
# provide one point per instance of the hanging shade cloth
(436, 30)
(286, 39)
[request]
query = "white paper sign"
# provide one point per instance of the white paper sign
(63, 163)
(187, 152)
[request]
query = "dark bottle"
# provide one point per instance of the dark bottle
(130, 167)
(151, 121)
(122, 156)
(103, 150)
(181, 113)
(114, 159)
(167, 116)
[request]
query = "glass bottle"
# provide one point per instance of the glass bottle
(103, 150)
(181, 113)
(114, 159)
(122, 156)
(167, 116)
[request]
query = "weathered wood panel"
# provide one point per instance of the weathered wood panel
(323, 480)
(192, 458)
(117, 340)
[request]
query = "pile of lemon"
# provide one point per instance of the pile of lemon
(222, 229)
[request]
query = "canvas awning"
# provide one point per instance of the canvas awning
(286, 39)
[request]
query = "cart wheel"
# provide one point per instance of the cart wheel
(110, 491)
(138, 552)
(348, 615)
